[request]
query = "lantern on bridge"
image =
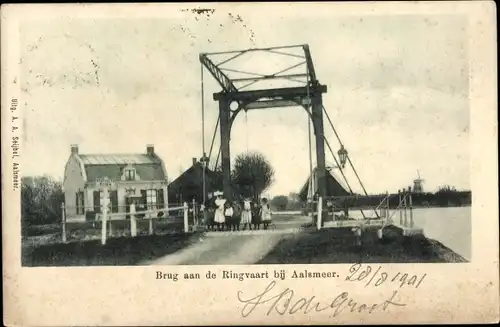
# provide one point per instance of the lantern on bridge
(342, 156)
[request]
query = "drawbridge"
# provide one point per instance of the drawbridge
(245, 89)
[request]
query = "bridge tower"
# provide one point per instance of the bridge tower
(233, 99)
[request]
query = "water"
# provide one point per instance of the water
(449, 226)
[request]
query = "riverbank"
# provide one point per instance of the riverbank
(330, 246)
(338, 245)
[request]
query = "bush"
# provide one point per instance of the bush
(280, 202)
(41, 199)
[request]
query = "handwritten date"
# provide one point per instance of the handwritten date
(377, 277)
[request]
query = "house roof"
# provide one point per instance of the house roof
(333, 185)
(119, 159)
(190, 182)
(147, 166)
(193, 175)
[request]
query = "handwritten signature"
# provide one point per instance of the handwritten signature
(287, 302)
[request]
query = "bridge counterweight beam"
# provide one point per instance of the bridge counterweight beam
(317, 117)
(225, 136)
(270, 104)
(255, 95)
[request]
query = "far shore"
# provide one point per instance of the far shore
(301, 210)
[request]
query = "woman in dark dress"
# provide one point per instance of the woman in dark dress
(256, 216)
(211, 214)
(236, 216)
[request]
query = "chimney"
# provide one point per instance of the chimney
(195, 161)
(74, 148)
(150, 149)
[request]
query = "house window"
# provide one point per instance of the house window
(151, 199)
(129, 174)
(80, 204)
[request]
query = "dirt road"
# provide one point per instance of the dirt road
(246, 247)
(226, 249)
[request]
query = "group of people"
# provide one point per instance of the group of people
(222, 214)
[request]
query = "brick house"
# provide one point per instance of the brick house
(139, 178)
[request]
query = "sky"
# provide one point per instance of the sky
(397, 93)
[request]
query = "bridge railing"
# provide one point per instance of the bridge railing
(330, 205)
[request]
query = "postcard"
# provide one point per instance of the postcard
(249, 163)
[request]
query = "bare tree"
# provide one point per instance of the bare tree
(252, 174)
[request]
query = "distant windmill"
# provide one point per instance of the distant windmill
(418, 184)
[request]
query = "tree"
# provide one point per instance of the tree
(252, 174)
(41, 199)
(446, 189)
(294, 202)
(280, 202)
(446, 195)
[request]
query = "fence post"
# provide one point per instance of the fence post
(358, 232)
(203, 215)
(320, 212)
(380, 231)
(195, 216)
(400, 208)
(186, 213)
(104, 215)
(411, 206)
(63, 215)
(110, 233)
(405, 207)
(133, 221)
(150, 224)
(310, 210)
(333, 210)
(388, 214)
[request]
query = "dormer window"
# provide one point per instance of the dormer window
(129, 174)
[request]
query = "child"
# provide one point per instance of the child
(208, 215)
(219, 218)
(228, 213)
(266, 213)
(246, 214)
(203, 214)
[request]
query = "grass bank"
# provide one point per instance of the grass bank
(331, 245)
(338, 245)
(120, 251)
